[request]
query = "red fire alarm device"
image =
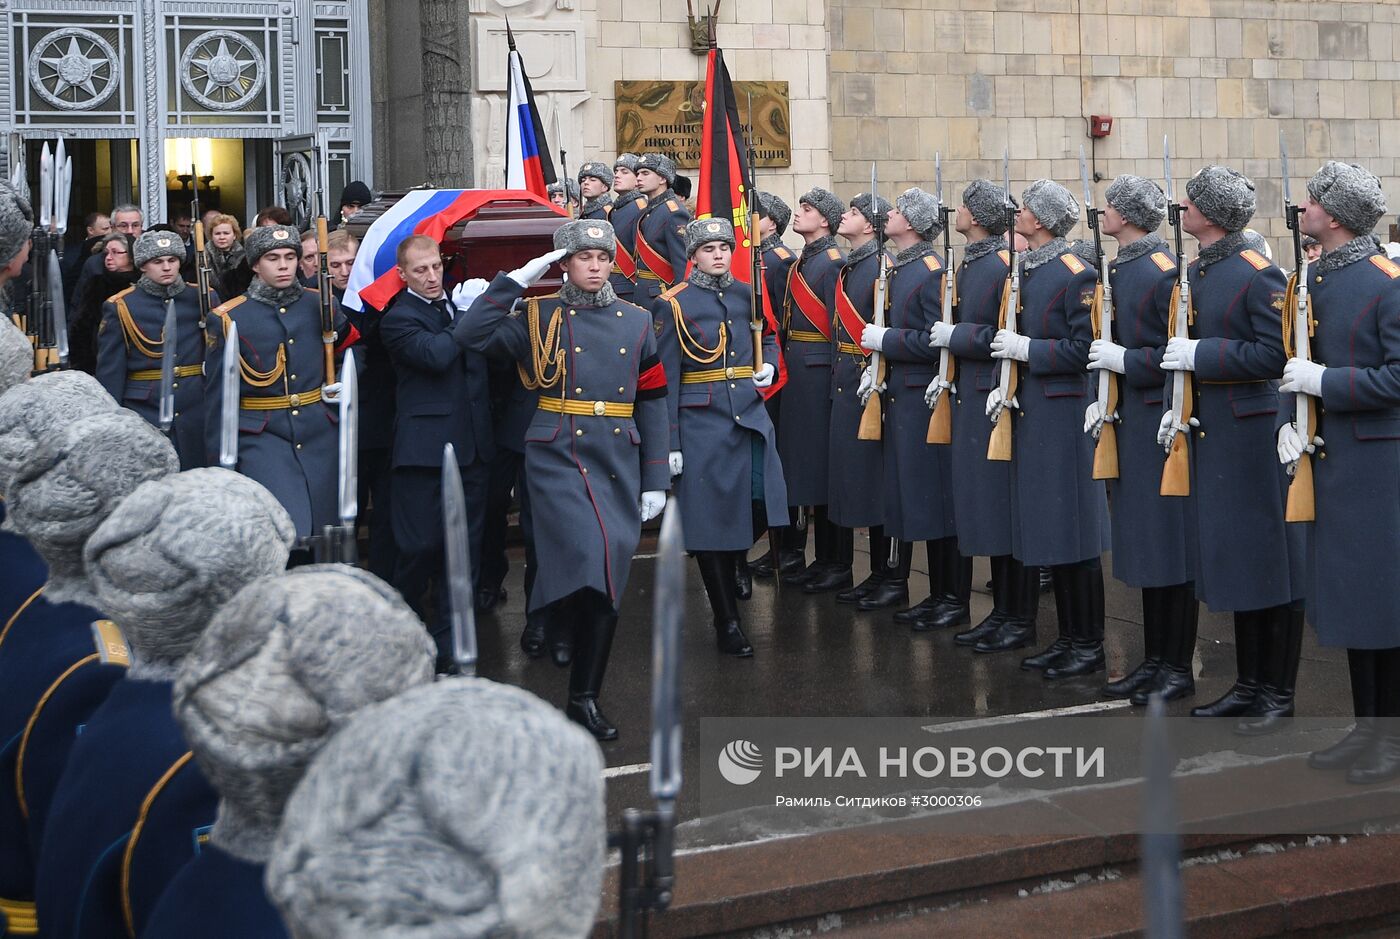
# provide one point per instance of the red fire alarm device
(1100, 125)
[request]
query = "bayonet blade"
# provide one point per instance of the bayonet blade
(63, 179)
(45, 187)
(1161, 847)
(60, 310)
(1283, 155)
(1084, 175)
(17, 180)
(1167, 168)
(1006, 173)
(169, 344)
(938, 177)
(461, 608)
(874, 190)
(668, 616)
(231, 385)
(349, 441)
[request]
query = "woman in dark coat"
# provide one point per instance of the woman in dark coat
(118, 273)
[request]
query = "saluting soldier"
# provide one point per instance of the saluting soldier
(595, 453)
(131, 338)
(730, 486)
(595, 185)
(287, 437)
(660, 238)
(1353, 598)
(981, 487)
(1236, 350)
(627, 207)
(805, 404)
(1150, 547)
(1057, 508)
(918, 498)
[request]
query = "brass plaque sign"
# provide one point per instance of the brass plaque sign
(669, 116)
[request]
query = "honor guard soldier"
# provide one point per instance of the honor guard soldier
(1150, 547)
(723, 447)
(130, 340)
(595, 185)
(287, 438)
(981, 487)
(804, 427)
(564, 194)
(595, 453)
(627, 207)
(1058, 509)
(1352, 592)
(1248, 562)
(917, 485)
(660, 236)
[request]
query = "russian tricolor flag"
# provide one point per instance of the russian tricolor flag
(528, 165)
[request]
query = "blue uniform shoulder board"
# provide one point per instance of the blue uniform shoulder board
(1075, 265)
(1005, 257)
(674, 291)
(782, 253)
(833, 253)
(111, 644)
(1391, 269)
(224, 309)
(1163, 260)
(931, 262)
(671, 204)
(1255, 259)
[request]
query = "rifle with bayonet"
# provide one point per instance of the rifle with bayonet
(323, 277)
(1106, 451)
(1298, 328)
(940, 422)
(169, 346)
(341, 544)
(999, 445)
(204, 275)
(47, 320)
(1176, 474)
(230, 384)
(564, 168)
(460, 596)
(871, 422)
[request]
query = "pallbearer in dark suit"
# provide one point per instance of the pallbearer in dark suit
(627, 206)
(1150, 547)
(595, 185)
(917, 485)
(660, 237)
(129, 343)
(1353, 598)
(730, 487)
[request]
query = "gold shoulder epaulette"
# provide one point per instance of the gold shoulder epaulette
(931, 262)
(1005, 256)
(111, 644)
(671, 204)
(1072, 262)
(1391, 269)
(674, 291)
(641, 202)
(224, 309)
(607, 209)
(120, 294)
(782, 253)
(1163, 260)
(1255, 259)
(833, 253)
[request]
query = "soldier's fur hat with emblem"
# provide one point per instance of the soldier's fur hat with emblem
(586, 234)
(16, 223)
(39, 408)
(267, 238)
(702, 231)
(1224, 196)
(1350, 194)
(627, 161)
(986, 201)
(876, 213)
(660, 164)
(157, 244)
(1053, 205)
(827, 203)
(599, 171)
(1140, 201)
(920, 210)
(565, 185)
(386, 834)
(16, 355)
(772, 205)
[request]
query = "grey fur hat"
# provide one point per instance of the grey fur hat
(16, 223)
(281, 667)
(827, 203)
(265, 238)
(877, 213)
(920, 210)
(599, 171)
(464, 808)
(627, 161)
(776, 209)
(987, 203)
(660, 164)
(1350, 194)
(72, 482)
(564, 185)
(704, 230)
(16, 355)
(157, 244)
(175, 550)
(1053, 205)
(585, 234)
(31, 411)
(1139, 200)
(1224, 196)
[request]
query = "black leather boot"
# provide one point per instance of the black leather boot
(1381, 761)
(893, 589)
(1057, 650)
(1273, 706)
(532, 636)
(595, 635)
(1154, 627)
(743, 578)
(717, 572)
(917, 611)
(954, 585)
(1362, 665)
(1175, 678)
(1248, 636)
(834, 567)
(879, 556)
(559, 627)
(793, 568)
(1085, 656)
(1002, 592)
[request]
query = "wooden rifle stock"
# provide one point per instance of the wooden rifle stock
(871, 423)
(327, 311)
(1300, 506)
(999, 445)
(1106, 452)
(1176, 472)
(940, 422)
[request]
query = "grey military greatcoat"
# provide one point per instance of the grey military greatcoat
(660, 235)
(626, 212)
(856, 482)
(805, 401)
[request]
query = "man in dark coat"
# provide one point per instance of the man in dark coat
(660, 238)
(731, 486)
(126, 219)
(1352, 375)
(627, 207)
(1249, 563)
(595, 185)
(1058, 510)
(1150, 547)
(131, 338)
(442, 398)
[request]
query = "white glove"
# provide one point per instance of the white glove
(1291, 447)
(331, 393)
(935, 390)
(1105, 353)
(467, 291)
(872, 336)
(941, 337)
(996, 404)
(1094, 419)
(1167, 430)
(763, 376)
(529, 273)
(651, 504)
(1180, 355)
(1009, 345)
(1303, 377)
(677, 464)
(867, 385)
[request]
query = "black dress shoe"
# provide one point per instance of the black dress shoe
(948, 613)
(763, 567)
(1380, 761)
(798, 576)
(1083, 658)
(1013, 634)
(532, 639)
(1171, 682)
(730, 639)
(828, 579)
(791, 562)
(743, 579)
(988, 627)
(585, 713)
(1047, 656)
(1144, 674)
(1232, 703)
(886, 594)
(1345, 752)
(1270, 711)
(917, 611)
(488, 597)
(861, 590)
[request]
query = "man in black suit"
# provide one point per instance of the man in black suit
(442, 397)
